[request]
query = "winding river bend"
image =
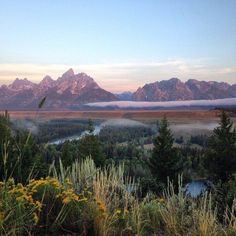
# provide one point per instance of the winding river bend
(76, 136)
(98, 128)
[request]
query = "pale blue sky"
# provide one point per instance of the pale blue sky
(132, 41)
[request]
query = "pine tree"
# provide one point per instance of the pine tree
(221, 153)
(165, 161)
(89, 145)
(90, 127)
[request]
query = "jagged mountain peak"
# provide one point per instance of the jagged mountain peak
(175, 80)
(18, 80)
(47, 81)
(19, 84)
(75, 83)
(84, 77)
(68, 74)
(47, 78)
(70, 77)
(69, 90)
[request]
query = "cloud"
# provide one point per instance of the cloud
(167, 104)
(125, 76)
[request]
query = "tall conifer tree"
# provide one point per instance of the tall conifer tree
(221, 153)
(165, 161)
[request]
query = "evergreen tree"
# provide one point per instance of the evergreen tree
(26, 158)
(89, 145)
(68, 153)
(221, 153)
(166, 160)
(90, 127)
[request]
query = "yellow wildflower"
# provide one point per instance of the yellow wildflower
(101, 205)
(35, 218)
(161, 200)
(117, 211)
(66, 200)
(126, 211)
(68, 196)
(38, 205)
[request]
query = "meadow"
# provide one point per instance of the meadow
(182, 115)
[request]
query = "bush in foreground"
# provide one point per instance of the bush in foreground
(86, 200)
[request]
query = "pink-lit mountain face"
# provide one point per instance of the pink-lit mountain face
(71, 90)
(68, 91)
(176, 90)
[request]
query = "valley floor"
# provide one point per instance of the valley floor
(181, 115)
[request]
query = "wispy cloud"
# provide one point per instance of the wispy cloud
(124, 76)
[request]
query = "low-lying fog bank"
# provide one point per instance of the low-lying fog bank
(177, 129)
(194, 128)
(167, 104)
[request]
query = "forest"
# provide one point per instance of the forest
(121, 181)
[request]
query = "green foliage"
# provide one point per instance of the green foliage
(17, 209)
(121, 134)
(4, 129)
(41, 206)
(56, 129)
(166, 161)
(85, 194)
(193, 162)
(90, 126)
(86, 200)
(89, 145)
(20, 157)
(199, 139)
(179, 140)
(69, 153)
(230, 190)
(221, 152)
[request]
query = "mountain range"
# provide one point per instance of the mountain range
(176, 90)
(71, 90)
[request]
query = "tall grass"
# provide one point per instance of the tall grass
(205, 218)
(230, 219)
(175, 211)
(86, 200)
(112, 191)
(80, 174)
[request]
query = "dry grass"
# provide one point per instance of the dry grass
(129, 114)
(204, 218)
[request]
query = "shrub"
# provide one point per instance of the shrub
(18, 210)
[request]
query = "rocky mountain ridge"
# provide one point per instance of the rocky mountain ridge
(68, 91)
(71, 91)
(176, 90)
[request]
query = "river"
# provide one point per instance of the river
(76, 136)
(98, 128)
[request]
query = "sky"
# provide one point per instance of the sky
(121, 44)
